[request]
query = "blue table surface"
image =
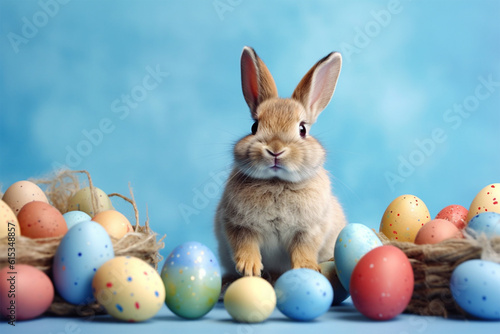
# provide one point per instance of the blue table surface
(339, 319)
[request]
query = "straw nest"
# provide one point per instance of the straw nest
(59, 188)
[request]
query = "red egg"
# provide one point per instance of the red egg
(456, 214)
(41, 220)
(436, 231)
(26, 292)
(381, 284)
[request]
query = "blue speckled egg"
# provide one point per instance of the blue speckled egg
(475, 286)
(354, 241)
(191, 275)
(487, 223)
(74, 217)
(303, 294)
(83, 249)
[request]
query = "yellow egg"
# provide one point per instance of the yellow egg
(115, 223)
(129, 289)
(250, 299)
(82, 201)
(487, 200)
(9, 226)
(23, 192)
(403, 218)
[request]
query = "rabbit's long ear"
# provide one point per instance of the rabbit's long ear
(316, 88)
(257, 83)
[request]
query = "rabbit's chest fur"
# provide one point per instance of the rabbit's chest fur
(276, 211)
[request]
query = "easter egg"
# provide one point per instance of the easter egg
(74, 217)
(487, 223)
(9, 226)
(84, 248)
(129, 289)
(382, 283)
(191, 275)
(403, 218)
(250, 299)
(114, 222)
(26, 292)
(330, 272)
(22, 192)
(475, 286)
(303, 294)
(354, 241)
(436, 231)
(487, 200)
(41, 220)
(456, 214)
(82, 201)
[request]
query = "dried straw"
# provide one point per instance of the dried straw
(59, 188)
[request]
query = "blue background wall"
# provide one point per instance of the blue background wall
(416, 109)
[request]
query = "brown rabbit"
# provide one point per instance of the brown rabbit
(277, 211)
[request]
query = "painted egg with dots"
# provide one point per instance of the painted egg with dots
(381, 284)
(303, 294)
(486, 200)
(191, 275)
(487, 223)
(456, 214)
(403, 218)
(475, 286)
(353, 241)
(74, 217)
(129, 289)
(83, 249)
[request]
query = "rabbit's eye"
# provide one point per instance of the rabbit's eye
(303, 130)
(254, 127)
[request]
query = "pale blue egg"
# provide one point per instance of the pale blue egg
(191, 275)
(303, 294)
(74, 217)
(354, 241)
(475, 286)
(487, 223)
(83, 249)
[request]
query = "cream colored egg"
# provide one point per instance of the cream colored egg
(22, 192)
(82, 201)
(487, 200)
(403, 218)
(115, 223)
(9, 226)
(129, 289)
(250, 299)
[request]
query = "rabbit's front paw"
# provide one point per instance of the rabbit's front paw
(249, 265)
(305, 263)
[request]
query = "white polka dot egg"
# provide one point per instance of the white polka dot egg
(129, 289)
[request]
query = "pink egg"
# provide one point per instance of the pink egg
(456, 214)
(381, 284)
(436, 231)
(26, 292)
(41, 220)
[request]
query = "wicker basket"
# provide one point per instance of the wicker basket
(432, 268)
(141, 243)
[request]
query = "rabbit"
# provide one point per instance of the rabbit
(277, 211)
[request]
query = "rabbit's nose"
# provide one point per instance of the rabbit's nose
(274, 154)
